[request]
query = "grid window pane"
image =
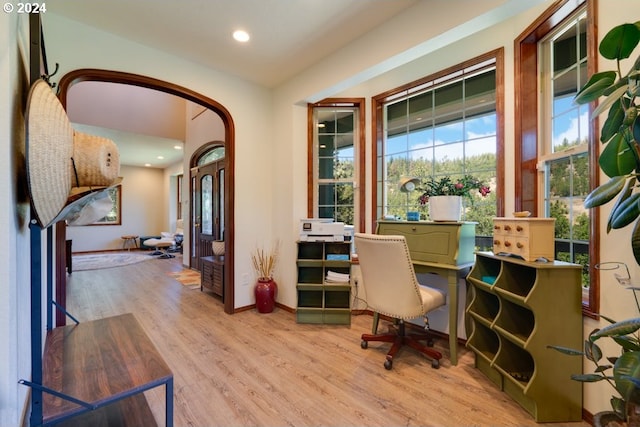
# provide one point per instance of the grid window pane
(335, 162)
(449, 129)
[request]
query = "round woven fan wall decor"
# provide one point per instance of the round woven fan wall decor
(49, 150)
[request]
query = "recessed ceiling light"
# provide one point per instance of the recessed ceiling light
(147, 165)
(241, 36)
(160, 157)
(178, 147)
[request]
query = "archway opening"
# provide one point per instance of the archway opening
(96, 75)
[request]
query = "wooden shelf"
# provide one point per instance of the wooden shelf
(320, 301)
(102, 362)
(517, 309)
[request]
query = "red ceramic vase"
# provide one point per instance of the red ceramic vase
(265, 290)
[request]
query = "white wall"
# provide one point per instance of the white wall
(15, 325)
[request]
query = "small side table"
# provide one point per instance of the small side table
(213, 274)
(129, 241)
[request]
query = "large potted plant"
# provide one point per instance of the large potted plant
(620, 161)
(621, 369)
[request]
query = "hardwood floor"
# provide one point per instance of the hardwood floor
(252, 369)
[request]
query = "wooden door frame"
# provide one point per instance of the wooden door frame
(193, 165)
(89, 74)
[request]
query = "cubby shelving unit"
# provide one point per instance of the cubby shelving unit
(320, 301)
(517, 309)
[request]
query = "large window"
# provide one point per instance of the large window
(565, 142)
(335, 135)
(445, 125)
(556, 151)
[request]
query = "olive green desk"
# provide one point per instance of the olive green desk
(442, 248)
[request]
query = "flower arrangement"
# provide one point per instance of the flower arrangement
(264, 262)
(445, 186)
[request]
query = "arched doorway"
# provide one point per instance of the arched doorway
(81, 75)
(207, 175)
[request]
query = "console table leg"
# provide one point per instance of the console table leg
(169, 403)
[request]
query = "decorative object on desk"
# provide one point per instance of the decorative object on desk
(621, 131)
(532, 239)
(99, 261)
(621, 370)
(445, 208)
(218, 247)
(408, 184)
(266, 289)
(413, 216)
(451, 209)
(522, 214)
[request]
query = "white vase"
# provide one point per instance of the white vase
(218, 247)
(445, 208)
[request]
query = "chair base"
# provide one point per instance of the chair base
(400, 338)
(162, 252)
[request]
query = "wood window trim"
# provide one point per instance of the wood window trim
(358, 103)
(526, 122)
(377, 127)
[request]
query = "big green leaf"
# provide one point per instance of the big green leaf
(627, 212)
(592, 351)
(595, 87)
(624, 195)
(587, 378)
(614, 121)
(609, 100)
(627, 342)
(620, 41)
(623, 327)
(617, 159)
(604, 193)
(636, 129)
(628, 364)
(635, 242)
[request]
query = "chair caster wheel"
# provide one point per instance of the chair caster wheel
(435, 363)
(388, 364)
(364, 344)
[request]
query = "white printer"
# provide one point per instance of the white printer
(321, 230)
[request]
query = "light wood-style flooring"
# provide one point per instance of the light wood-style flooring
(252, 369)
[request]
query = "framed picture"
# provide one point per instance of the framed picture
(114, 216)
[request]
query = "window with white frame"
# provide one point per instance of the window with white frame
(564, 146)
(334, 161)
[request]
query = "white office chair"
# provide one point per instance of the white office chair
(392, 290)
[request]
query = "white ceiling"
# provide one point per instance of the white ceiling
(297, 33)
